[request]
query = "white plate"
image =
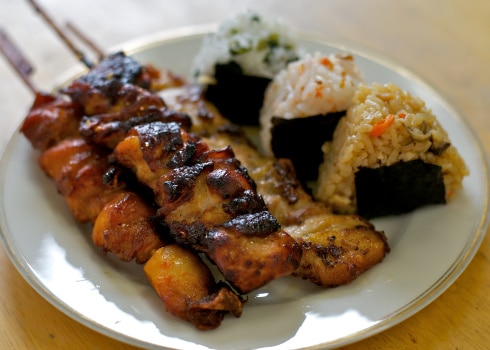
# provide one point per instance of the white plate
(430, 248)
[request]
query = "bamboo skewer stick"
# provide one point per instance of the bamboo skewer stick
(90, 43)
(78, 53)
(17, 60)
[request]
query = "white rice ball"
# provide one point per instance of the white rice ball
(314, 85)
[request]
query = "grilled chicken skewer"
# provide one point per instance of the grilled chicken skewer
(100, 94)
(122, 219)
(197, 217)
(219, 196)
(212, 196)
(120, 105)
(209, 203)
(336, 249)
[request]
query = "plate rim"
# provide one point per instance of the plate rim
(145, 42)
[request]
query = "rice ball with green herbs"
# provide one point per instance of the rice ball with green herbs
(237, 62)
(389, 156)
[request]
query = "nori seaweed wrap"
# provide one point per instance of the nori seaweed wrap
(399, 188)
(236, 95)
(301, 140)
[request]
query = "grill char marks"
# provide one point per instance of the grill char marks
(97, 90)
(132, 106)
(116, 69)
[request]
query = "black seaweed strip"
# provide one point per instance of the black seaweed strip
(301, 140)
(399, 188)
(237, 96)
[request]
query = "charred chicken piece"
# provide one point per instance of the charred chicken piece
(83, 176)
(131, 106)
(187, 288)
(208, 202)
(124, 227)
(336, 249)
(96, 90)
(99, 90)
(50, 120)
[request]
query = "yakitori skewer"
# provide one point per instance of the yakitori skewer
(123, 225)
(114, 85)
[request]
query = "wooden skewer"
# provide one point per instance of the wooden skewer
(78, 53)
(78, 33)
(16, 59)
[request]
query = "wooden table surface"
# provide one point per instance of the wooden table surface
(445, 42)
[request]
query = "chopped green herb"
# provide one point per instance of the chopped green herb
(261, 45)
(237, 48)
(273, 40)
(255, 18)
